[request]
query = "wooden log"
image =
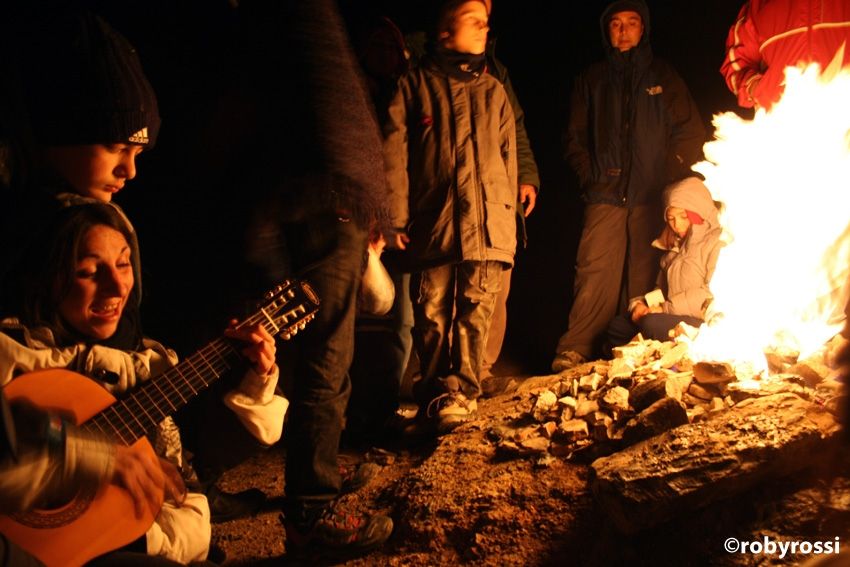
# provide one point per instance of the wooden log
(699, 463)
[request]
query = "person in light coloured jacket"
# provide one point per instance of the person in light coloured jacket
(770, 35)
(450, 152)
(692, 242)
(77, 316)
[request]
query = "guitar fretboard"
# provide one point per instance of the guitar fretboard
(137, 414)
(133, 416)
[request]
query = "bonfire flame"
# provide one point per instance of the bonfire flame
(784, 178)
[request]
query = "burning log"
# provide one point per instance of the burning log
(693, 465)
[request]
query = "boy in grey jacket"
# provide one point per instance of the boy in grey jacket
(450, 152)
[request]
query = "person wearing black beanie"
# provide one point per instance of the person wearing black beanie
(91, 108)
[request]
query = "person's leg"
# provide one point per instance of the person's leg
(432, 292)
(642, 263)
(477, 291)
(498, 325)
(328, 254)
(599, 271)
(621, 330)
(657, 326)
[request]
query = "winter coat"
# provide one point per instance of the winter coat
(450, 155)
(686, 269)
(179, 533)
(770, 35)
(633, 126)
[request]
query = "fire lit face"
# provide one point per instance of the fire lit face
(95, 170)
(677, 220)
(102, 282)
(468, 33)
(625, 30)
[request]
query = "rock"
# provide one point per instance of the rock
(693, 400)
(705, 393)
(586, 407)
(717, 404)
(534, 446)
(696, 464)
(713, 372)
(674, 356)
(544, 404)
(548, 429)
(677, 383)
(812, 371)
(590, 382)
(647, 393)
(661, 416)
(695, 413)
(620, 368)
(635, 352)
(616, 398)
(573, 430)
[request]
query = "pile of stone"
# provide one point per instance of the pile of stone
(649, 387)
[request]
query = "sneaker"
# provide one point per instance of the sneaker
(353, 479)
(338, 533)
(566, 360)
(450, 410)
(225, 506)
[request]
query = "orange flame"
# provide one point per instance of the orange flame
(784, 178)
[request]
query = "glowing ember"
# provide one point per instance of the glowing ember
(785, 180)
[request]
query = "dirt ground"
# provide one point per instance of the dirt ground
(454, 502)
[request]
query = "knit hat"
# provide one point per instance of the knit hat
(85, 85)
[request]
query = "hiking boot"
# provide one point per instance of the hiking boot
(566, 360)
(225, 506)
(353, 479)
(450, 410)
(338, 533)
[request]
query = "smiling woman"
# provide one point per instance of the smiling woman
(78, 311)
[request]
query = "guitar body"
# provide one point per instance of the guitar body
(90, 524)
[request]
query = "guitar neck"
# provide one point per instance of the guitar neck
(133, 416)
(288, 309)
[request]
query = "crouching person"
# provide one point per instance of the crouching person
(692, 241)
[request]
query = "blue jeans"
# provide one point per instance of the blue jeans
(328, 253)
(655, 326)
(452, 309)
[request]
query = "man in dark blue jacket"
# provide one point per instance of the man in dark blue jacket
(633, 128)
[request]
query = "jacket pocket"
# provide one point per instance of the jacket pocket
(501, 226)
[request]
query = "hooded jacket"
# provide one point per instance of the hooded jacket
(686, 269)
(450, 155)
(633, 125)
(770, 35)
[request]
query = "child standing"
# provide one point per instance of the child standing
(692, 242)
(450, 151)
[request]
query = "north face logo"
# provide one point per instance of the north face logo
(140, 137)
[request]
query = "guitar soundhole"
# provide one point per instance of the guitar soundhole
(57, 515)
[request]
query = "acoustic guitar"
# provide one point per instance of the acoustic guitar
(91, 524)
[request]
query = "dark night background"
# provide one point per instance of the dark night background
(182, 211)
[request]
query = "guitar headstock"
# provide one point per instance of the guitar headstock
(287, 308)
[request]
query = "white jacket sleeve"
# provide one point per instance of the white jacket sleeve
(181, 533)
(258, 408)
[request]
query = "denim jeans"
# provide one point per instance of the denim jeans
(452, 309)
(328, 253)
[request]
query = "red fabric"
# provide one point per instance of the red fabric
(694, 218)
(770, 35)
